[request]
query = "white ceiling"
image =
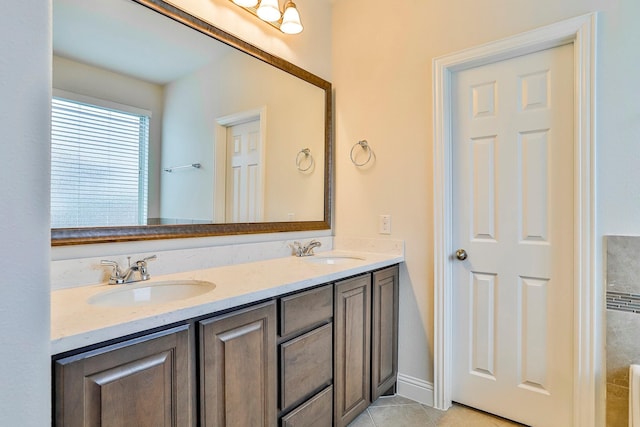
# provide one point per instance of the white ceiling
(122, 36)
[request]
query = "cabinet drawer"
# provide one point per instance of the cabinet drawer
(316, 412)
(306, 365)
(303, 310)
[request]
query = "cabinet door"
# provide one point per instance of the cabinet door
(352, 323)
(238, 368)
(142, 382)
(384, 335)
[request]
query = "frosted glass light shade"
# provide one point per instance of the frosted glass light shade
(269, 10)
(246, 3)
(291, 19)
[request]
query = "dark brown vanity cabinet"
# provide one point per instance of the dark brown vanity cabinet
(365, 339)
(384, 331)
(306, 358)
(145, 381)
(352, 348)
(314, 358)
(238, 368)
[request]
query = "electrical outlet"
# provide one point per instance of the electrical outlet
(291, 216)
(384, 224)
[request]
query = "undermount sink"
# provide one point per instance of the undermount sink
(143, 293)
(332, 259)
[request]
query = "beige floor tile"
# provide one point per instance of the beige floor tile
(400, 416)
(455, 417)
(398, 411)
(392, 401)
(461, 416)
(363, 420)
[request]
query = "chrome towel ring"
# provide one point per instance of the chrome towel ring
(365, 146)
(304, 154)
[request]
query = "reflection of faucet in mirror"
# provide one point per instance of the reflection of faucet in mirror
(304, 250)
(134, 273)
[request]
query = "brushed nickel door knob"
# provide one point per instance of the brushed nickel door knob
(461, 254)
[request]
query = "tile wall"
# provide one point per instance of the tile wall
(623, 323)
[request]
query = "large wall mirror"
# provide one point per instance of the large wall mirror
(164, 126)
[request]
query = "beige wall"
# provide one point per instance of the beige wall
(382, 77)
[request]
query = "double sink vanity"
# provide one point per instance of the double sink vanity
(293, 341)
(305, 341)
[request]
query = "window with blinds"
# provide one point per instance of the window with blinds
(98, 165)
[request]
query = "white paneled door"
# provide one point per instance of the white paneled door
(513, 228)
(244, 177)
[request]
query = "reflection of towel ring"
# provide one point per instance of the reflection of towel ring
(365, 146)
(300, 159)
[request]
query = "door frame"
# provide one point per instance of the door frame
(220, 157)
(587, 343)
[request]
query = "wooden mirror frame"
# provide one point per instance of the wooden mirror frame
(88, 235)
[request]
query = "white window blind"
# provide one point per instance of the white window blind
(98, 165)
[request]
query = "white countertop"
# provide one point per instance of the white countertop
(75, 323)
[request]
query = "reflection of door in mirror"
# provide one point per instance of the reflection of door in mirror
(245, 187)
(227, 195)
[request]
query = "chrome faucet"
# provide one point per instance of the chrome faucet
(304, 250)
(134, 273)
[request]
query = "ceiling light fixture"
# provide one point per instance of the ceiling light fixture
(269, 11)
(291, 19)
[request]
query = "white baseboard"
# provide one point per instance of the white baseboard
(415, 389)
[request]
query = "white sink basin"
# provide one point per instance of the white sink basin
(332, 259)
(150, 293)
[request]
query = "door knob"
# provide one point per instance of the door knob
(461, 254)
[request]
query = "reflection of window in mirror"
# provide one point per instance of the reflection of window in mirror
(99, 152)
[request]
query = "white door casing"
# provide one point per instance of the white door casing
(513, 215)
(587, 341)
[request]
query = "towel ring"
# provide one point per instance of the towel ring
(365, 146)
(301, 156)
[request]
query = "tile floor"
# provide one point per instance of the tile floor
(397, 411)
